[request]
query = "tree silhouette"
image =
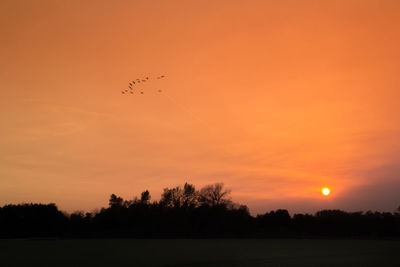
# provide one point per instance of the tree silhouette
(172, 198)
(190, 196)
(145, 197)
(115, 201)
(187, 212)
(214, 195)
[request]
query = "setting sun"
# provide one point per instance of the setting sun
(326, 191)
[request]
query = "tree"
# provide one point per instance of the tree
(190, 196)
(115, 201)
(214, 195)
(172, 197)
(145, 197)
(178, 197)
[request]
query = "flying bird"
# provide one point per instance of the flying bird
(139, 80)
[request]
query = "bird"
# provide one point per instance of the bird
(123, 92)
(131, 92)
(143, 80)
(133, 82)
(147, 78)
(162, 76)
(142, 93)
(130, 84)
(159, 91)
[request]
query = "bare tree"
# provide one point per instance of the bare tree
(178, 197)
(190, 196)
(214, 195)
(172, 197)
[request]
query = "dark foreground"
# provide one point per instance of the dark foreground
(200, 252)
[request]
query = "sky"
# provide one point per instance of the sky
(276, 99)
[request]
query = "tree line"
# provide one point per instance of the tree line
(184, 212)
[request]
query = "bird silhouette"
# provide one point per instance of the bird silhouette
(142, 93)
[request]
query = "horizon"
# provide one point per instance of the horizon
(277, 100)
(261, 211)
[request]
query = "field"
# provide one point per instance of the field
(202, 252)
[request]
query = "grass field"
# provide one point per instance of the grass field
(203, 252)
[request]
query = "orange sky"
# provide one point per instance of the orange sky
(274, 98)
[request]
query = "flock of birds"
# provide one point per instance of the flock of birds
(135, 83)
(139, 84)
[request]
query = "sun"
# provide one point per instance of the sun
(326, 191)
